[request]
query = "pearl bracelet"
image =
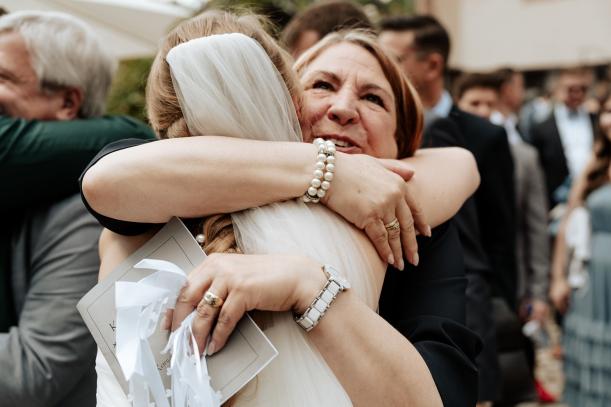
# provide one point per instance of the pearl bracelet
(323, 174)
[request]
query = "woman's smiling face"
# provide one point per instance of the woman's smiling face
(348, 99)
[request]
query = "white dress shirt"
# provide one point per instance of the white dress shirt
(510, 124)
(576, 134)
(440, 110)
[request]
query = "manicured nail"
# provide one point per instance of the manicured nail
(415, 259)
(211, 349)
(391, 259)
(401, 265)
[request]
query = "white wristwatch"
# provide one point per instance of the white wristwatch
(313, 314)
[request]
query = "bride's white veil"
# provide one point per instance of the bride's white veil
(227, 85)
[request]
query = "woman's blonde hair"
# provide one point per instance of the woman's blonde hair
(408, 106)
(166, 116)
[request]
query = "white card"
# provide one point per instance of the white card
(246, 353)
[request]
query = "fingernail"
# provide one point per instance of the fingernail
(401, 265)
(429, 233)
(211, 349)
(391, 259)
(415, 259)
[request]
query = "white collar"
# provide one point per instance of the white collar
(443, 106)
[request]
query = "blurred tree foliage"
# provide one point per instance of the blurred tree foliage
(127, 92)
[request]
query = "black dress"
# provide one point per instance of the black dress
(425, 303)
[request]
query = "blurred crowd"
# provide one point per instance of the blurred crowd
(536, 235)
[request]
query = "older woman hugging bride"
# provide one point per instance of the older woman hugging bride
(223, 75)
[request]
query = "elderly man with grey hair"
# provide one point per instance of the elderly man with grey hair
(54, 78)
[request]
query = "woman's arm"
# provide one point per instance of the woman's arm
(219, 174)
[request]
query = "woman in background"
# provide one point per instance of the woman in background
(587, 325)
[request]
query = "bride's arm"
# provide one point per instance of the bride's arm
(219, 175)
(421, 352)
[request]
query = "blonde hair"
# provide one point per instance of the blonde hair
(408, 106)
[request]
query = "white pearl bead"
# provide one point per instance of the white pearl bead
(306, 198)
(312, 191)
(321, 148)
(331, 167)
(321, 157)
(331, 150)
(320, 165)
(315, 183)
(325, 185)
(318, 174)
(328, 176)
(320, 193)
(331, 159)
(200, 238)
(330, 143)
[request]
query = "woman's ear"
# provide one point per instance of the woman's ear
(71, 101)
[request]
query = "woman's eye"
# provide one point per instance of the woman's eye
(322, 85)
(370, 97)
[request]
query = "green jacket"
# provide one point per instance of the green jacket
(40, 162)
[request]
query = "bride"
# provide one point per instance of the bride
(230, 78)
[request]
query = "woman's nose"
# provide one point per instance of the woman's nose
(343, 109)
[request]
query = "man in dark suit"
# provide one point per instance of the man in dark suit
(564, 140)
(486, 222)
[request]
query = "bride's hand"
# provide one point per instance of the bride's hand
(245, 282)
(370, 196)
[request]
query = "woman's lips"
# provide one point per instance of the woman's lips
(343, 144)
(349, 150)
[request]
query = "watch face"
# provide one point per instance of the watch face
(335, 275)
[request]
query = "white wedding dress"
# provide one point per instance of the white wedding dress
(227, 85)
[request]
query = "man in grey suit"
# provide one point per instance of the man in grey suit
(531, 197)
(53, 69)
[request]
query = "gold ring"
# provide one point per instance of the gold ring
(213, 300)
(393, 225)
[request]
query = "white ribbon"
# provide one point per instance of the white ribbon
(577, 235)
(140, 306)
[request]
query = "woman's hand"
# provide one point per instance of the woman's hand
(370, 196)
(245, 282)
(559, 293)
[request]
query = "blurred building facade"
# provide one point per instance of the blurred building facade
(524, 34)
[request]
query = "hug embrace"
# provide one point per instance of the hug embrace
(282, 218)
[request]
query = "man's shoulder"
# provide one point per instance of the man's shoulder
(53, 220)
(474, 126)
